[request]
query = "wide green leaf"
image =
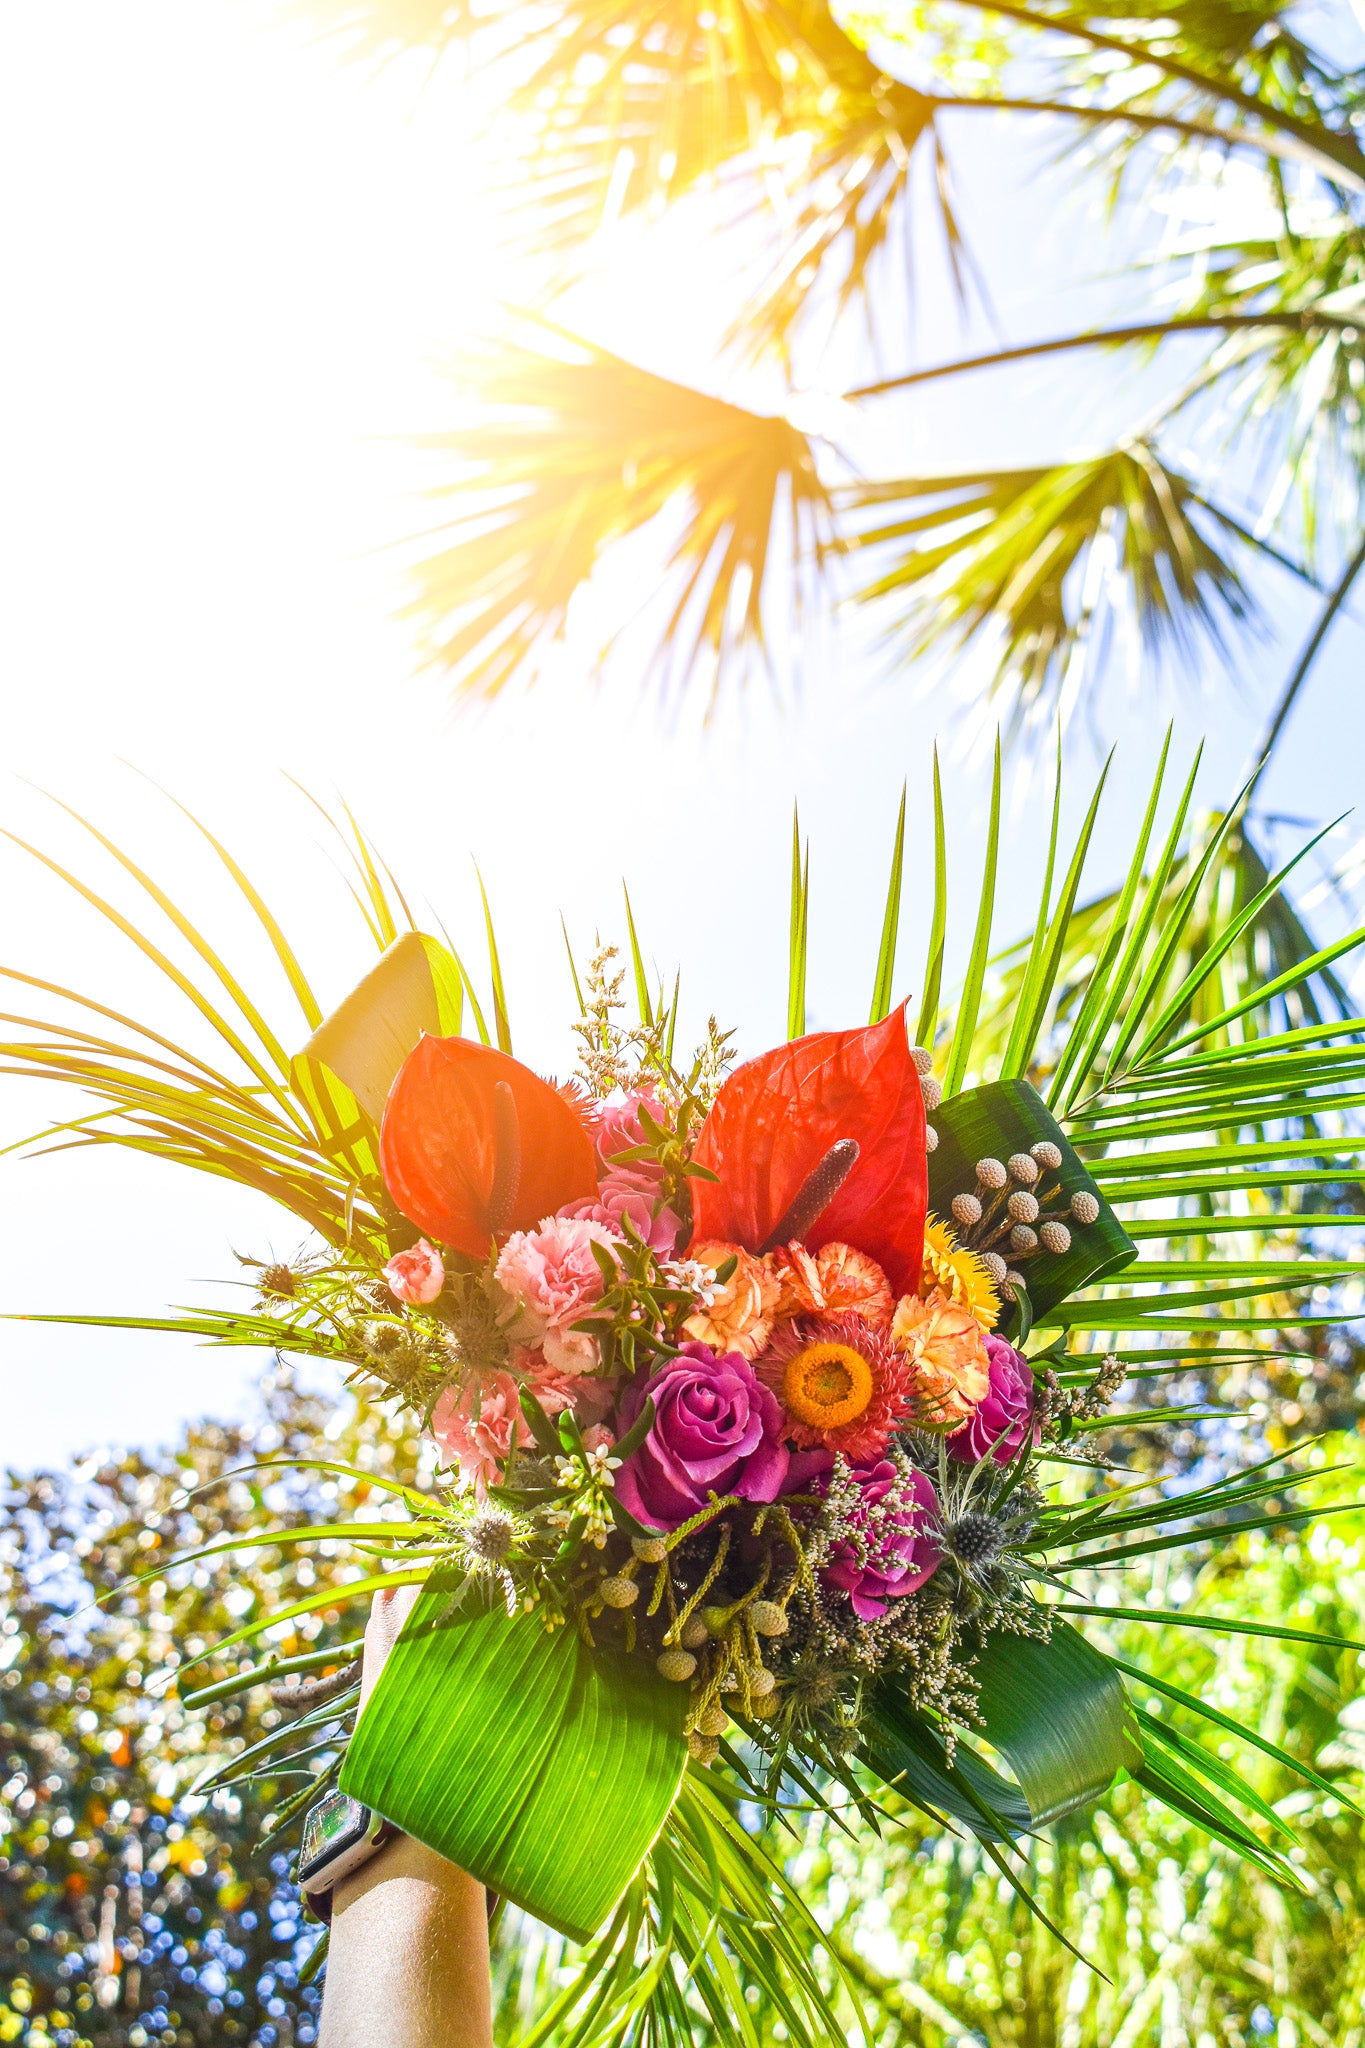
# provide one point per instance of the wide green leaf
(1058, 1713)
(414, 986)
(542, 1766)
(1055, 1710)
(1007, 1117)
(898, 1743)
(344, 1072)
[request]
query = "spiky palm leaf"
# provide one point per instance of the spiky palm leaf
(1035, 565)
(571, 452)
(610, 110)
(1294, 389)
(778, 111)
(603, 111)
(1246, 67)
(1273, 943)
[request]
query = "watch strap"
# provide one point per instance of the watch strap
(318, 1896)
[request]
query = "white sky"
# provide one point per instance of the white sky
(231, 267)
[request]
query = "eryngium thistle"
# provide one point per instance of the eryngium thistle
(976, 1539)
(490, 1536)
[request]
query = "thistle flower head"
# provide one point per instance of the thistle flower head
(490, 1535)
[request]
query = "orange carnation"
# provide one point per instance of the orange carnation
(739, 1316)
(836, 1280)
(945, 1346)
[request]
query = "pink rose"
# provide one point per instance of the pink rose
(554, 1281)
(631, 1194)
(1006, 1415)
(888, 1551)
(619, 1129)
(476, 1426)
(416, 1275)
(716, 1429)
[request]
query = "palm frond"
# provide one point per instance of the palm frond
(1289, 391)
(577, 449)
(1037, 566)
(240, 1115)
(1225, 62)
(604, 111)
(712, 1933)
(1208, 1064)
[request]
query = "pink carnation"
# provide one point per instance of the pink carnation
(554, 1281)
(475, 1427)
(416, 1275)
(589, 1397)
(630, 1194)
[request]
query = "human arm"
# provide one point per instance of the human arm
(407, 1966)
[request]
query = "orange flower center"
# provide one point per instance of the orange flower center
(826, 1385)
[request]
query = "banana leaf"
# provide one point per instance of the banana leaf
(544, 1767)
(1055, 1710)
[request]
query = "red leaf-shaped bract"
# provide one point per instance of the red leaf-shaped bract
(776, 1118)
(438, 1144)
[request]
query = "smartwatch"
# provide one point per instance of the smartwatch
(339, 1835)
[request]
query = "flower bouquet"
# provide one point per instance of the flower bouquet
(761, 1398)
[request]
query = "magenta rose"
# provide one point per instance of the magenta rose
(716, 1429)
(889, 1550)
(1005, 1416)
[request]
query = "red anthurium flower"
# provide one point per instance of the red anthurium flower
(773, 1127)
(474, 1145)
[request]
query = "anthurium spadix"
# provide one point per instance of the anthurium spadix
(775, 1124)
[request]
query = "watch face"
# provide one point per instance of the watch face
(335, 1823)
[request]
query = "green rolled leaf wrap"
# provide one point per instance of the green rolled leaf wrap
(543, 1767)
(1056, 1711)
(992, 1123)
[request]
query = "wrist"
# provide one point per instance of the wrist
(404, 1859)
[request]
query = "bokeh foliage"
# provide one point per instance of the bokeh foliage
(132, 1909)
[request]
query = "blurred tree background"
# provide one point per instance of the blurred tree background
(135, 1908)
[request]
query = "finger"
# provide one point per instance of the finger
(389, 1609)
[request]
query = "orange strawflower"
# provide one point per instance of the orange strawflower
(843, 1385)
(739, 1316)
(826, 1384)
(944, 1346)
